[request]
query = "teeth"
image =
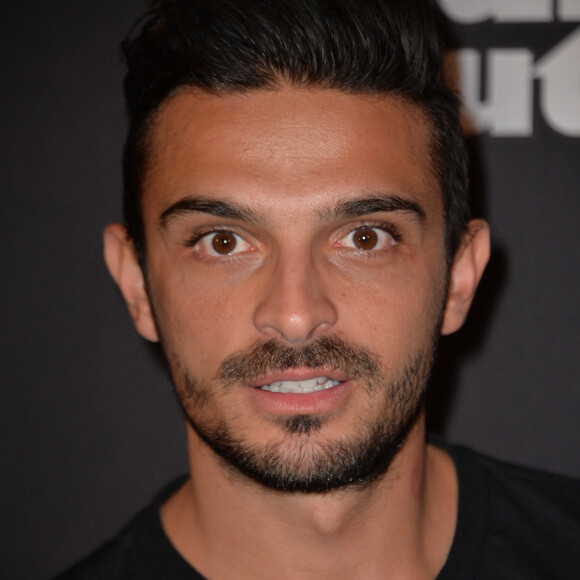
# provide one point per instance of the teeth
(309, 386)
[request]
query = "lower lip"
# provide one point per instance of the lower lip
(301, 403)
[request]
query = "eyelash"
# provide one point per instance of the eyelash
(388, 228)
(384, 226)
(198, 236)
(217, 258)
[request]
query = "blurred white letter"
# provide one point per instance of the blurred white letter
(569, 10)
(474, 11)
(507, 108)
(559, 71)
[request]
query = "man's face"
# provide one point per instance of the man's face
(296, 268)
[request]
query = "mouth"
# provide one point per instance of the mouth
(301, 391)
(313, 385)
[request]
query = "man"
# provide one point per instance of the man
(297, 237)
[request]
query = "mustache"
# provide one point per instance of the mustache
(331, 352)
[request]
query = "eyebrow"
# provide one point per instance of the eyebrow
(219, 208)
(378, 203)
(349, 208)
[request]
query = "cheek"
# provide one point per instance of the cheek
(201, 321)
(396, 310)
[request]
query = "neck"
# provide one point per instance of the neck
(402, 525)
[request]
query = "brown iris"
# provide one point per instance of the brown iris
(224, 242)
(365, 238)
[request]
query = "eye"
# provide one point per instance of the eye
(367, 238)
(221, 243)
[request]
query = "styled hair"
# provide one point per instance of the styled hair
(390, 47)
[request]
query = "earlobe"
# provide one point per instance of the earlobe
(466, 271)
(124, 267)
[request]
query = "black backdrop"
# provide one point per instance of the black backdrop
(89, 426)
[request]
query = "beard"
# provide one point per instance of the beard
(302, 460)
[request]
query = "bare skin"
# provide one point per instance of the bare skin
(294, 270)
(335, 536)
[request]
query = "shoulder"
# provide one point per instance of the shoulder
(141, 550)
(522, 490)
(108, 562)
(514, 521)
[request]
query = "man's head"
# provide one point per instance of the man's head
(301, 258)
(380, 47)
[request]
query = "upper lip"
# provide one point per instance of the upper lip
(298, 374)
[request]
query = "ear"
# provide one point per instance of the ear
(466, 271)
(121, 260)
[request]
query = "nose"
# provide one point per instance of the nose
(294, 305)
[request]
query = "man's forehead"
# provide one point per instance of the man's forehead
(289, 138)
(303, 113)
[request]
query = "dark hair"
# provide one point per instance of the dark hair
(389, 47)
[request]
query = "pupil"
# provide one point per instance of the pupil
(366, 239)
(224, 243)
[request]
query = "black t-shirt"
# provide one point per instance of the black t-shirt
(513, 523)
